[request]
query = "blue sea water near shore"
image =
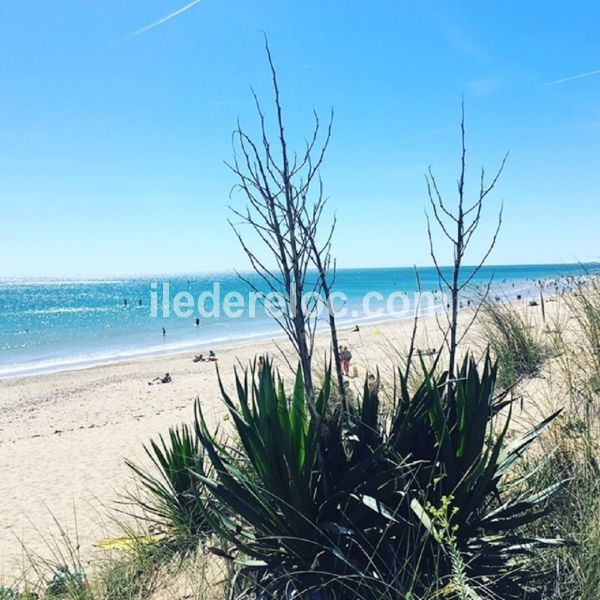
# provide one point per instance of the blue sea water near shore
(52, 325)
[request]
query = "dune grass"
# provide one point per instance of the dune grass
(513, 340)
(144, 571)
(572, 450)
(572, 573)
(582, 337)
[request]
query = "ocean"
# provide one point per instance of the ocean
(51, 325)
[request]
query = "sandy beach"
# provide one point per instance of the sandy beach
(64, 436)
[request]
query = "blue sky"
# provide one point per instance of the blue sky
(112, 143)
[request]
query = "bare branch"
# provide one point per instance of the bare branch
(459, 227)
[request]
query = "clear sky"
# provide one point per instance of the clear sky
(113, 134)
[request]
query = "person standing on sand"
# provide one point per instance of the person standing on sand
(346, 357)
(164, 331)
(261, 365)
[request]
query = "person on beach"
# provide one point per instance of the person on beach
(199, 358)
(356, 328)
(346, 357)
(197, 322)
(261, 365)
(159, 380)
(164, 332)
(212, 356)
(426, 352)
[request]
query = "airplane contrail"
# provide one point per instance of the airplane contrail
(163, 20)
(573, 77)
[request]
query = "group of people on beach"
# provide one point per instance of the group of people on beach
(212, 357)
(166, 378)
(344, 354)
(559, 285)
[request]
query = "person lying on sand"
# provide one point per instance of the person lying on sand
(426, 352)
(199, 358)
(158, 380)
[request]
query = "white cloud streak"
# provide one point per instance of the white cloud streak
(574, 77)
(162, 21)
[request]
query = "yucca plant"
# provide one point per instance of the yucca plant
(272, 485)
(170, 497)
(307, 527)
(353, 519)
(466, 459)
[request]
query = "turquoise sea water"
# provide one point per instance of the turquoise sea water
(49, 325)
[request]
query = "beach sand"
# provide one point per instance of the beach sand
(64, 436)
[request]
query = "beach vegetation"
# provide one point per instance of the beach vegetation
(372, 523)
(582, 333)
(170, 497)
(571, 452)
(513, 339)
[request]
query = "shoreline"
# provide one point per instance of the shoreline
(93, 360)
(186, 348)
